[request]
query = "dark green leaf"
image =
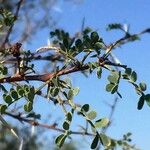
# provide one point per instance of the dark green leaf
(66, 42)
(8, 99)
(33, 115)
(134, 38)
(21, 92)
(133, 76)
(55, 81)
(60, 140)
(128, 71)
(8, 17)
(143, 86)
(98, 45)
(4, 95)
(119, 142)
(31, 94)
(5, 70)
(140, 103)
(99, 72)
(114, 26)
(55, 92)
(14, 95)
(114, 89)
(78, 44)
(3, 88)
(69, 116)
(72, 110)
(125, 76)
(85, 107)
(18, 88)
(52, 34)
(93, 56)
(95, 142)
(147, 98)
(26, 89)
(28, 107)
(129, 134)
(32, 90)
(2, 108)
(66, 125)
(90, 67)
(87, 41)
(87, 30)
(94, 37)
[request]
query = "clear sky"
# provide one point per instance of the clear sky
(99, 13)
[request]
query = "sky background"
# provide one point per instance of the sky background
(98, 14)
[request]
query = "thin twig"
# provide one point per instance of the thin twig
(53, 126)
(123, 40)
(113, 108)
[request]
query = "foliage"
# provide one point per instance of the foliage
(65, 51)
(29, 142)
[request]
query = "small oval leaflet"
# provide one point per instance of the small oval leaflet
(78, 44)
(76, 90)
(14, 94)
(147, 98)
(8, 99)
(92, 115)
(98, 45)
(106, 141)
(26, 89)
(60, 140)
(133, 76)
(114, 89)
(114, 26)
(94, 36)
(113, 78)
(69, 116)
(5, 71)
(128, 71)
(95, 142)
(70, 94)
(143, 86)
(21, 92)
(55, 92)
(28, 107)
(109, 87)
(30, 96)
(101, 123)
(99, 72)
(3, 108)
(66, 125)
(140, 103)
(85, 107)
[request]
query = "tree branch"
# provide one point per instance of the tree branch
(53, 126)
(48, 76)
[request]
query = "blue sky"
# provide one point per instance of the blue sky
(136, 55)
